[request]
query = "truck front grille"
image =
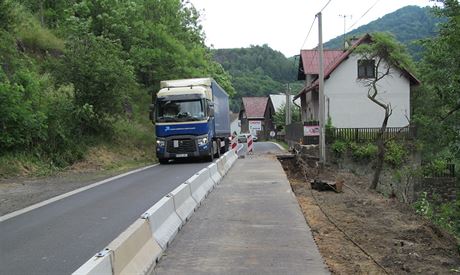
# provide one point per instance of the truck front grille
(185, 146)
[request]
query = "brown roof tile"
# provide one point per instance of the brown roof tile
(310, 60)
(255, 106)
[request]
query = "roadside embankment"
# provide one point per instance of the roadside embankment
(361, 232)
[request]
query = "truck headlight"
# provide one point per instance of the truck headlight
(202, 141)
(160, 143)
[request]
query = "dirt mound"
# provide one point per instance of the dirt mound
(361, 232)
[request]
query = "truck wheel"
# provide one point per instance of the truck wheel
(163, 161)
(218, 151)
(210, 158)
(224, 149)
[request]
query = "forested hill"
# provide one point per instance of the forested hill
(407, 24)
(256, 71)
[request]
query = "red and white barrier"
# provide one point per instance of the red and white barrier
(250, 144)
(234, 143)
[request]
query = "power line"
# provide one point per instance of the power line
(309, 31)
(364, 14)
(325, 5)
(312, 23)
(311, 27)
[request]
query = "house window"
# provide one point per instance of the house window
(366, 68)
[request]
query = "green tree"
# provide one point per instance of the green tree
(101, 77)
(279, 118)
(438, 102)
(51, 13)
(6, 14)
(386, 54)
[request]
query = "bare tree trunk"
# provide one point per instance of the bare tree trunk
(42, 14)
(381, 150)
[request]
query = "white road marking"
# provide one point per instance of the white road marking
(241, 146)
(68, 194)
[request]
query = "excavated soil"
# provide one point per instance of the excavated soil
(361, 232)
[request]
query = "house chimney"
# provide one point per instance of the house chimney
(350, 42)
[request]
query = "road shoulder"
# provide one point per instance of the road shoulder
(24, 194)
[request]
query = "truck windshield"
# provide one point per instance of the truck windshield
(180, 110)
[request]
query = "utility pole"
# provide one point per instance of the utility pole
(322, 133)
(288, 106)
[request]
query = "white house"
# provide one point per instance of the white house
(274, 104)
(346, 101)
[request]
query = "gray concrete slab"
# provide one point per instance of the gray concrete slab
(250, 224)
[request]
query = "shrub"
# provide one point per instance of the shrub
(363, 151)
(21, 119)
(339, 147)
(446, 215)
(64, 144)
(395, 153)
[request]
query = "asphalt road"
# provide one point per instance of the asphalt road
(262, 148)
(61, 236)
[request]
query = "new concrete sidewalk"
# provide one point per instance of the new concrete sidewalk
(250, 224)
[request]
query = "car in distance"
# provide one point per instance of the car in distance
(243, 138)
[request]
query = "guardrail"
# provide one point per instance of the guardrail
(138, 248)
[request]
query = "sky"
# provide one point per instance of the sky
(284, 25)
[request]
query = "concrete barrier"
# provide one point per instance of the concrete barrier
(163, 220)
(228, 161)
(184, 203)
(233, 157)
(101, 264)
(198, 191)
(201, 184)
(221, 167)
(215, 175)
(135, 251)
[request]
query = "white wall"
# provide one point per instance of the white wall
(349, 106)
(312, 107)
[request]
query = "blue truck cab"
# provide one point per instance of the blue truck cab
(192, 119)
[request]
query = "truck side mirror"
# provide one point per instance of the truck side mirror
(152, 112)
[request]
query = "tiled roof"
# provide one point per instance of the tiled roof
(310, 60)
(255, 106)
(330, 66)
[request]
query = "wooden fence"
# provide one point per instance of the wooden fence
(294, 133)
(447, 172)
